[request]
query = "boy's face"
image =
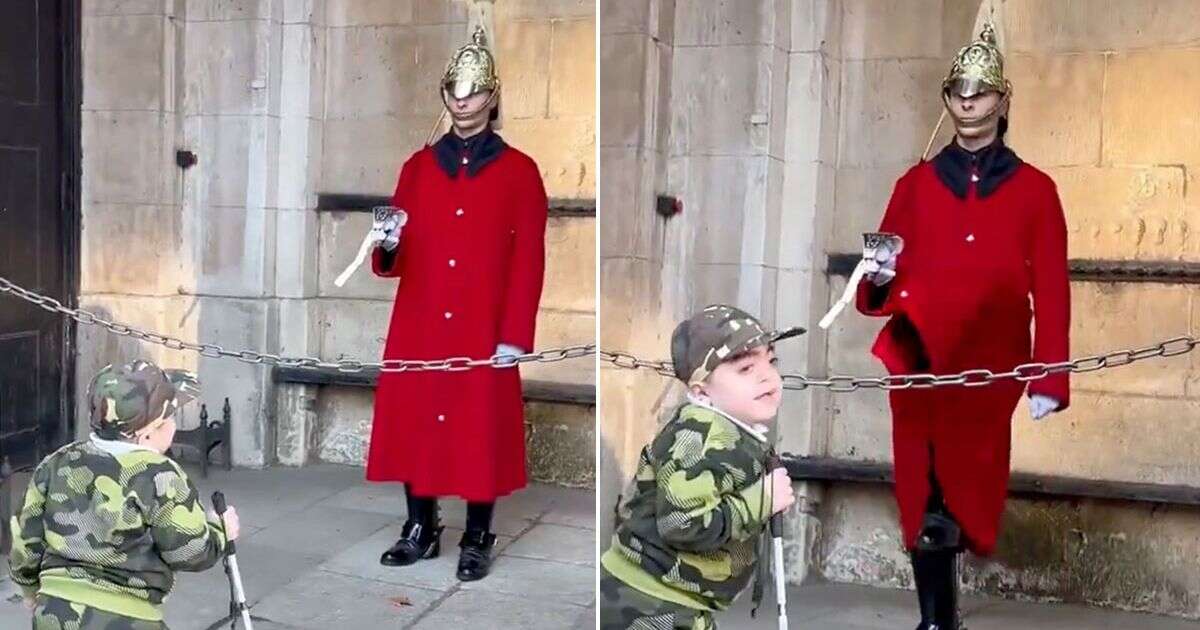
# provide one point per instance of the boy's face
(747, 387)
(157, 435)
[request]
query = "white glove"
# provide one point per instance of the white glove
(386, 233)
(509, 352)
(1041, 406)
(882, 269)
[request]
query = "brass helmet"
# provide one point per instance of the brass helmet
(978, 67)
(472, 69)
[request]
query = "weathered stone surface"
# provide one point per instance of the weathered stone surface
(1165, 128)
(862, 195)
(221, 66)
(114, 235)
(364, 155)
(570, 282)
(370, 12)
(124, 158)
(714, 205)
(232, 10)
(879, 130)
(354, 328)
(701, 23)
(544, 9)
(816, 25)
(126, 59)
(890, 29)
(729, 112)
(625, 62)
(1056, 108)
(524, 58)
(556, 329)
(1106, 25)
(235, 245)
(124, 7)
(564, 149)
(387, 70)
(573, 68)
(561, 444)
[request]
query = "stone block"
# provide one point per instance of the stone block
(629, 225)
(125, 158)
(626, 117)
(521, 577)
(570, 279)
(806, 187)
(718, 193)
(341, 234)
(1126, 213)
(299, 163)
(561, 444)
(729, 112)
(1112, 436)
(890, 29)
(557, 329)
(1140, 128)
(573, 68)
(812, 108)
(302, 81)
(555, 543)
(631, 303)
(235, 247)
(221, 176)
(564, 149)
(365, 155)
(1058, 122)
(860, 537)
(296, 254)
(341, 13)
(618, 17)
(862, 195)
(551, 10)
(126, 55)
(888, 130)
(387, 70)
(222, 67)
(443, 12)
(113, 236)
(725, 23)
(311, 12)
(296, 424)
(354, 328)
(125, 7)
(816, 25)
(524, 58)
(233, 10)
(1107, 25)
(344, 418)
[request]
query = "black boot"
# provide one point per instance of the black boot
(937, 589)
(418, 541)
(475, 559)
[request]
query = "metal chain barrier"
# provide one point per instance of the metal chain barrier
(969, 378)
(452, 364)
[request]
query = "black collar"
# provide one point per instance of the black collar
(994, 164)
(480, 150)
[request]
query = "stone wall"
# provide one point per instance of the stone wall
(783, 125)
(282, 100)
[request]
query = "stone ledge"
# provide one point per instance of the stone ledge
(801, 468)
(534, 390)
(1167, 272)
(352, 202)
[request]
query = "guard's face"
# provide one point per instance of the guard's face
(747, 387)
(976, 116)
(469, 114)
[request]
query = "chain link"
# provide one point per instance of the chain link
(452, 364)
(969, 378)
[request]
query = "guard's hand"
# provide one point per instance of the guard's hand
(233, 526)
(782, 496)
(30, 603)
(506, 354)
(385, 231)
(882, 268)
(1041, 406)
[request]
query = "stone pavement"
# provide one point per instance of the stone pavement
(845, 607)
(309, 555)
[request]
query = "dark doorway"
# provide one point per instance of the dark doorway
(39, 140)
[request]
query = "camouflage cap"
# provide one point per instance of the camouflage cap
(718, 332)
(123, 399)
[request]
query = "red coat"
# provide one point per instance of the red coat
(960, 300)
(470, 263)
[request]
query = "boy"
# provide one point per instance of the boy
(108, 520)
(687, 536)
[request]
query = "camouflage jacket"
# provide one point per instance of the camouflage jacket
(689, 527)
(106, 524)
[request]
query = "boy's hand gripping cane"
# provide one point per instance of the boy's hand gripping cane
(777, 553)
(237, 595)
(385, 231)
(879, 249)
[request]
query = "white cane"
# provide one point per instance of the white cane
(873, 244)
(237, 604)
(371, 239)
(777, 556)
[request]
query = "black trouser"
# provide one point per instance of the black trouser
(935, 563)
(425, 510)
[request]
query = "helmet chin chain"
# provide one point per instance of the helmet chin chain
(982, 121)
